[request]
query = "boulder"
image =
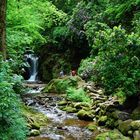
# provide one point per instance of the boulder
(120, 115)
(85, 115)
(136, 113)
(125, 126)
(135, 125)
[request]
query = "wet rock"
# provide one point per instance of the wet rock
(70, 109)
(34, 132)
(111, 135)
(125, 126)
(85, 115)
(135, 125)
(136, 135)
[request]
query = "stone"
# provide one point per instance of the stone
(111, 135)
(135, 125)
(34, 132)
(125, 126)
(85, 115)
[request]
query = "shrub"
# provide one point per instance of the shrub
(77, 95)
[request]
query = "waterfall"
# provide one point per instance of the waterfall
(33, 69)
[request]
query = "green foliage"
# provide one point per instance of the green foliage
(77, 95)
(63, 84)
(12, 124)
(117, 64)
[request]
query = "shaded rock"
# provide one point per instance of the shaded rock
(120, 115)
(135, 125)
(111, 135)
(85, 115)
(136, 113)
(136, 135)
(125, 126)
(34, 132)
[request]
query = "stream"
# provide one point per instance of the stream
(62, 125)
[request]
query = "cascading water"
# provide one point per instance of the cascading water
(33, 69)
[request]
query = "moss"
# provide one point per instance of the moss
(135, 125)
(60, 85)
(125, 126)
(34, 118)
(69, 109)
(102, 120)
(63, 102)
(85, 115)
(111, 135)
(92, 127)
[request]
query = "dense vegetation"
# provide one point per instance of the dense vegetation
(108, 29)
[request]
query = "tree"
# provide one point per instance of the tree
(3, 28)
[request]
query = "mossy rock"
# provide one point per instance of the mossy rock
(62, 103)
(117, 114)
(135, 125)
(92, 127)
(125, 126)
(136, 113)
(111, 135)
(69, 109)
(80, 105)
(60, 85)
(136, 135)
(102, 120)
(85, 115)
(34, 118)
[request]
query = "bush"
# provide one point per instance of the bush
(118, 61)
(12, 124)
(77, 95)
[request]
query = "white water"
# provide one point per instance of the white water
(33, 67)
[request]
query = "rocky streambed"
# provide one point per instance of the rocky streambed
(61, 125)
(104, 118)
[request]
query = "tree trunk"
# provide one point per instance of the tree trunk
(3, 28)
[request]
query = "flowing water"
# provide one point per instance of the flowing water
(62, 125)
(33, 69)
